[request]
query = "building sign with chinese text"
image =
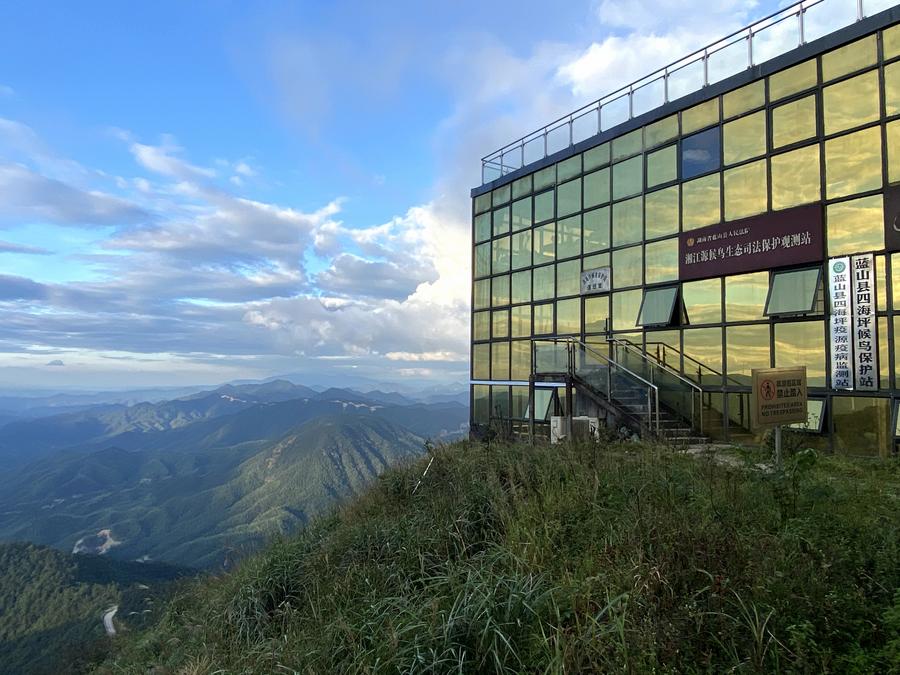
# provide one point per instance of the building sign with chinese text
(779, 396)
(789, 237)
(840, 323)
(595, 281)
(865, 332)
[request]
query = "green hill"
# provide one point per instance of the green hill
(565, 559)
(200, 508)
(51, 605)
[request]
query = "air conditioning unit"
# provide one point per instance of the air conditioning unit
(559, 429)
(585, 428)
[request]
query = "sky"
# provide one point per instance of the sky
(201, 192)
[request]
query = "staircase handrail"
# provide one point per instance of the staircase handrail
(684, 355)
(570, 343)
(643, 355)
(695, 388)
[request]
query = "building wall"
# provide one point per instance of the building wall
(823, 132)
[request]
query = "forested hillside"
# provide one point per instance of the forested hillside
(51, 605)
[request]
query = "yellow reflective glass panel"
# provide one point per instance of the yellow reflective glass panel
(568, 278)
(884, 358)
(544, 206)
(568, 237)
(855, 226)
(745, 190)
(794, 122)
(595, 230)
(745, 296)
(702, 301)
(627, 145)
(625, 306)
(521, 250)
(700, 116)
(891, 41)
(481, 362)
(521, 287)
(500, 323)
(881, 282)
(521, 214)
(595, 261)
(849, 58)
(501, 221)
(700, 202)
(544, 178)
(796, 177)
(500, 259)
(893, 150)
(500, 399)
(483, 260)
(746, 98)
(895, 283)
(627, 221)
(568, 198)
(544, 241)
(746, 348)
(596, 157)
(702, 351)
(483, 226)
(544, 282)
(481, 403)
(628, 177)
(500, 291)
(596, 188)
(520, 321)
(520, 365)
(483, 202)
(745, 138)
(481, 325)
(499, 360)
(862, 425)
(596, 314)
(627, 265)
(892, 89)
(660, 261)
(521, 187)
(802, 343)
(790, 81)
(662, 166)
(543, 319)
(500, 195)
(568, 316)
(853, 163)
(568, 168)
(661, 212)
(482, 292)
(659, 132)
(851, 103)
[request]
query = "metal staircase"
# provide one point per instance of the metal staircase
(629, 388)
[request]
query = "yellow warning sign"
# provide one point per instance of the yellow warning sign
(779, 396)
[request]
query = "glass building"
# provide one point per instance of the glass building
(753, 222)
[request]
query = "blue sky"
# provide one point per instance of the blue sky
(194, 192)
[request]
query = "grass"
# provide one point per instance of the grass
(590, 558)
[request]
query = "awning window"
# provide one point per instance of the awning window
(795, 292)
(658, 306)
(815, 416)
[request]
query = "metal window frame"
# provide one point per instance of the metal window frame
(802, 426)
(815, 296)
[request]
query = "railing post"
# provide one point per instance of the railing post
(571, 131)
(666, 86)
(802, 28)
(859, 10)
(706, 67)
(630, 101)
(522, 154)
(545, 142)
(749, 48)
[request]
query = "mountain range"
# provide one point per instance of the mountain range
(202, 479)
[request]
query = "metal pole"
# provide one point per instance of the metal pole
(750, 48)
(778, 447)
(859, 10)
(705, 67)
(802, 28)
(571, 132)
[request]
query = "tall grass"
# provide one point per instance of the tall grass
(510, 559)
